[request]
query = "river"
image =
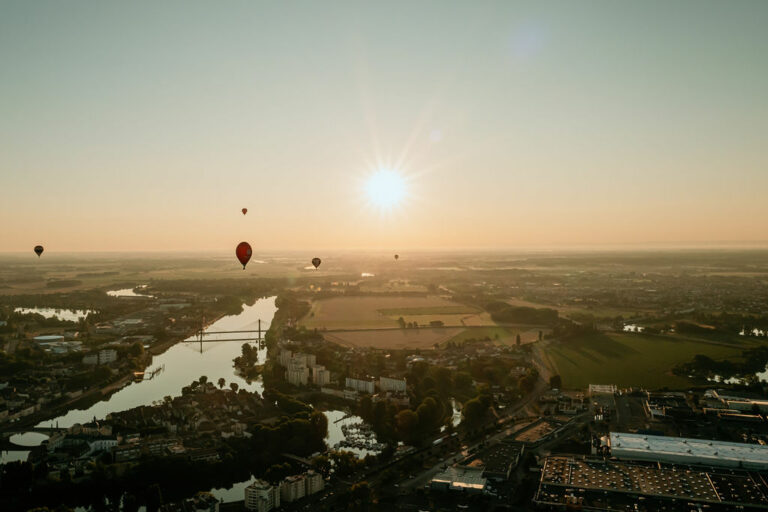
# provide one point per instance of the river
(183, 363)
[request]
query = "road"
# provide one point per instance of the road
(425, 476)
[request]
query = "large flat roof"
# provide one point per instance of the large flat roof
(682, 447)
(462, 478)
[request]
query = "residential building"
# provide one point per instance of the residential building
(297, 374)
(261, 496)
(320, 376)
(602, 389)
(361, 385)
(292, 488)
(314, 482)
(107, 355)
(393, 385)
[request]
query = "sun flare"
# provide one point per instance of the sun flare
(385, 189)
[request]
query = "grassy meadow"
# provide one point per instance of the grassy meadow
(628, 359)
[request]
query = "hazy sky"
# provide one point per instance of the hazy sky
(148, 125)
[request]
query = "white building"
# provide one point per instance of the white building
(287, 358)
(107, 355)
(296, 487)
(320, 376)
(297, 373)
(314, 482)
(602, 389)
(91, 359)
(284, 358)
(261, 497)
(361, 385)
(105, 443)
(394, 385)
(292, 488)
(682, 450)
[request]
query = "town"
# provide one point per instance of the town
(292, 413)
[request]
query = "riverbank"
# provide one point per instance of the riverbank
(94, 395)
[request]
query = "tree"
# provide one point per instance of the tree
(401, 322)
(366, 407)
(233, 386)
(222, 382)
(474, 410)
(406, 425)
(136, 350)
(517, 340)
(202, 380)
(154, 498)
(322, 464)
(555, 382)
(541, 335)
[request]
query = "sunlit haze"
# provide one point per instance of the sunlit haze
(385, 189)
(147, 126)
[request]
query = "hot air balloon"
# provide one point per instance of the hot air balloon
(243, 253)
(316, 262)
(244, 210)
(397, 257)
(39, 250)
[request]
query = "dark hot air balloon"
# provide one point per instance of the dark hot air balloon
(245, 210)
(397, 257)
(243, 253)
(39, 250)
(316, 262)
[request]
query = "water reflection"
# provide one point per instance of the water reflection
(184, 363)
(335, 436)
(28, 439)
(70, 315)
(129, 292)
(13, 456)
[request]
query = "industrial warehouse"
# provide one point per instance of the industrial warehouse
(650, 472)
(682, 450)
(607, 485)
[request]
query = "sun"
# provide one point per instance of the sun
(385, 189)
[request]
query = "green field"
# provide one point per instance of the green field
(632, 359)
(501, 335)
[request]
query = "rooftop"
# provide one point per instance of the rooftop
(701, 449)
(461, 478)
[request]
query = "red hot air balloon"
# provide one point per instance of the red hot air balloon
(316, 262)
(397, 257)
(243, 253)
(39, 250)
(244, 210)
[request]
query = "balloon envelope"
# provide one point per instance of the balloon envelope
(397, 256)
(245, 210)
(38, 250)
(316, 262)
(243, 253)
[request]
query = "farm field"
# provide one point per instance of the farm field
(631, 359)
(501, 335)
(424, 338)
(382, 312)
(575, 309)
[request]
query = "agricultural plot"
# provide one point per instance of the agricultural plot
(631, 359)
(393, 338)
(382, 312)
(501, 335)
